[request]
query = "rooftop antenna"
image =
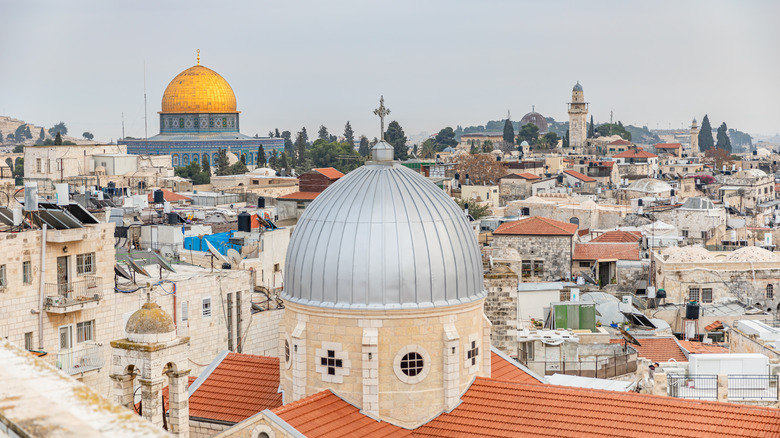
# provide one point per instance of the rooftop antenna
(533, 108)
(123, 124)
(610, 117)
(382, 112)
(146, 133)
(508, 117)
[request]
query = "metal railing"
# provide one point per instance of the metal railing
(77, 292)
(81, 359)
(700, 387)
(752, 387)
(601, 367)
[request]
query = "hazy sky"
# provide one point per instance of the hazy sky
(438, 63)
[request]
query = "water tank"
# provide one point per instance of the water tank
(159, 197)
(261, 202)
(660, 293)
(244, 222)
(226, 266)
(173, 218)
(30, 196)
(692, 310)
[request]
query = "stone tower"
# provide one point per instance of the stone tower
(578, 118)
(694, 137)
(153, 353)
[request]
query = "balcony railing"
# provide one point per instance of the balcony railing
(59, 296)
(700, 387)
(741, 387)
(752, 387)
(81, 359)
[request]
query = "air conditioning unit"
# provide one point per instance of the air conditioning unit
(53, 300)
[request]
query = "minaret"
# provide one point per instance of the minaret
(694, 137)
(578, 118)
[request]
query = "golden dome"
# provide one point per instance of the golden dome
(199, 90)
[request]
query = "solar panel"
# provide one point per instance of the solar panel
(6, 216)
(80, 213)
(59, 219)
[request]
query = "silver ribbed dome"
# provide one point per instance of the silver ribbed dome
(383, 237)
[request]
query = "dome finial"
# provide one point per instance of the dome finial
(198, 56)
(382, 112)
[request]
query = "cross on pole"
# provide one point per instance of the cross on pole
(382, 112)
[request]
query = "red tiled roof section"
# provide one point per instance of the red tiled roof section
(605, 251)
(579, 176)
(239, 387)
(502, 369)
(602, 163)
(169, 196)
(635, 153)
(618, 237)
(716, 325)
(300, 196)
(326, 415)
(620, 142)
(330, 172)
(658, 349)
(537, 226)
(702, 348)
(492, 408)
(527, 175)
(668, 146)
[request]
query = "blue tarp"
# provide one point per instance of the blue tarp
(219, 240)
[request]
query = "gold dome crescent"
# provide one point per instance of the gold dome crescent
(198, 90)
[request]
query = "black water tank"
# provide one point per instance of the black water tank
(159, 197)
(173, 218)
(692, 310)
(244, 222)
(261, 202)
(226, 266)
(660, 294)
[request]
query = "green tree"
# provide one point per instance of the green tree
(237, 168)
(41, 136)
(222, 163)
(349, 134)
(272, 160)
(427, 149)
(27, 133)
(289, 147)
(341, 156)
(396, 137)
(194, 173)
(305, 135)
(607, 129)
(475, 210)
(242, 159)
(705, 135)
(276, 133)
(723, 139)
(528, 132)
(509, 132)
(591, 128)
(300, 149)
(566, 139)
(206, 166)
(474, 148)
(19, 171)
(18, 149)
(58, 140)
(487, 146)
(363, 149)
(19, 134)
(549, 140)
(445, 138)
(59, 128)
(284, 163)
(87, 135)
(261, 154)
(323, 133)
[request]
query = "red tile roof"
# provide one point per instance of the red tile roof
(668, 146)
(717, 325)
(300, 196)
(606, 251)
(658, 349)
(169, 196)
(492, 408)
(635, 153)
(618, 236)
(506, 368)
(603, 163)
(536, 226)
(326, 415)
(240, 386)
(579, 176)
(330, 172)
(702, 348)
(620, 142)
(527, 175)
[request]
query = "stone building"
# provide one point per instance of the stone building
(578, 118)
(545, 246)
(746, 189)
(515, 186)
(310, 185)
(671, 149)
(637, 161)
(698, 220)
(482, 195)
(604, 172)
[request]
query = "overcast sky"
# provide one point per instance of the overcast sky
(438, 63)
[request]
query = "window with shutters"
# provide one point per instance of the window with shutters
(206, 307)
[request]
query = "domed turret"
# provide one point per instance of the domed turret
(577, 87)
(198, 90)
(150, 324)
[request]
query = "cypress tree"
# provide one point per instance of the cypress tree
(323, 134)
(364, 150)
(723, 139)
(705, 135)
(349, 135)
(591, 128)
(509, 132)
(396, 137)
(58, 140)
(300, 148)
(261, 154)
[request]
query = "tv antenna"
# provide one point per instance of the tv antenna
(146, 132)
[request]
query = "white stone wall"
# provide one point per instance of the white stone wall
(75, 160)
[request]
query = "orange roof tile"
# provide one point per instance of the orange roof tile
(635, 153)
(604, 251)
(326, 415)
(717, 325)
(658, 349)
(579, 176)
(527, 175)
(536, 226)
(492, 408)
(702, 348)
(620, 142)
(300, 196)
(330, 172)
(618, 236)
(503, 367)
(240, 386)
(668, 146)
(602, 163)
(169, 196)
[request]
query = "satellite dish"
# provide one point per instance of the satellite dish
(627, 337)
(233, 256)
(118, 270)
(136, 267)
(163, 263)
(216, 253)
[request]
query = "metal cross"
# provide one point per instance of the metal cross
(382, 112)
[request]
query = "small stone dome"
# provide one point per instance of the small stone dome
(524, 143)
(650, 186)
(150, 324)
(577, 87)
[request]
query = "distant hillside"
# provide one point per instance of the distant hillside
(10, 125)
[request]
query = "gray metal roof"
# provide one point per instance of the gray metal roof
(383, 237)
